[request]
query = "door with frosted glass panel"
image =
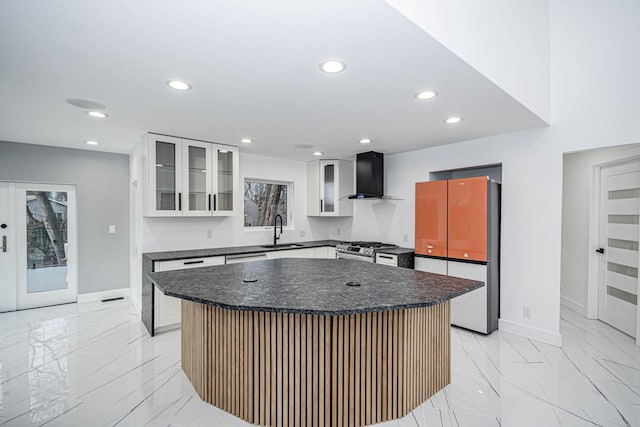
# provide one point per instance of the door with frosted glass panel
(196, 157)
(46, 245)
(619, 237)
(328, 179)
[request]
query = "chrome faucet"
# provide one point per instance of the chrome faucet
(275, 227)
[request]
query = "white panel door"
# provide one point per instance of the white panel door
(46, 244)
(619, 236)
(7, 247)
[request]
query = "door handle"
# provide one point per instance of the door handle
(209, 201)
(600, 250)
(4, 243)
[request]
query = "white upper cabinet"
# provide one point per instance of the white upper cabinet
(329, 183)
(197, 178)
(189, 178)
(225, 180)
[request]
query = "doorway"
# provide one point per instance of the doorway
(38, 238)
(618, 245)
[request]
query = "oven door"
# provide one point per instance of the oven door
(364, 258)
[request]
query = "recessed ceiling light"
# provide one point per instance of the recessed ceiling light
(365, 141)
(333, 65)
(91, 142)
(178, 85)
(426, 94)
(97, 114)
(318, 153)
(246, 141)
(453, 120)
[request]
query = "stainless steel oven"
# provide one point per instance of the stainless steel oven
(361, 251)
(359, 257)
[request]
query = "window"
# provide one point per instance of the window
(263, 200)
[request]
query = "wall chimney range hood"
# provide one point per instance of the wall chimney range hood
(369, 176)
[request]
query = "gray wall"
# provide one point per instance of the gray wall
(102, 181)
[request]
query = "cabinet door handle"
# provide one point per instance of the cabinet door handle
(4, 243)
(321, 208)
(194, 262)
(209, 201)
(215, 202)
(179, 201)
(385, 256)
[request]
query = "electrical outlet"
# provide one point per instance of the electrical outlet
(526, 312)
(405, 237)
(302, 233)
(338, 231)
(209, 234)
(112, 229)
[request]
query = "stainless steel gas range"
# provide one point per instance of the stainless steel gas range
(362, 251)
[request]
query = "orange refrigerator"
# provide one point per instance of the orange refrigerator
(458, 234)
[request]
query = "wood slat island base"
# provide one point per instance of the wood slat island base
(285, 369)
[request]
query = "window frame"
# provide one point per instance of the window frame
(290, 204)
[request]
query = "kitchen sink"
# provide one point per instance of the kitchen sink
(284, 245)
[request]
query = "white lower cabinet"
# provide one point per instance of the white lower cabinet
(387, 259)
(327, 252)
(237, 259)
(166, 309)
(293, 253)
(324, 252)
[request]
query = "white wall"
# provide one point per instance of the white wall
(594, 95)
(165, 234)
(507, 41)
(577, 219)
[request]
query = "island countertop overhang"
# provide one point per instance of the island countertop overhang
(311, 286)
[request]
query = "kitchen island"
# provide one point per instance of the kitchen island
(314, 342)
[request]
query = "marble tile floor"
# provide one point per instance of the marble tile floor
(93, 364)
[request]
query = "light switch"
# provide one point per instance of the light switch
(112, 229)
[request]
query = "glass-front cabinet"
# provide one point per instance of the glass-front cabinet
(225, 181)
(189, 178)
(165, 178)
(329, 185)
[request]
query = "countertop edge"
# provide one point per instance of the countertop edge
(317, 312)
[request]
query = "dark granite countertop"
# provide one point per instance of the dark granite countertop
(311, 286)
(395, 251)
(234, 250)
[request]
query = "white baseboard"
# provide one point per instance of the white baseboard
(537, 334)
(573, 305)
(99, 296)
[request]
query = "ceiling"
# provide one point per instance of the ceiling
(254, 68)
